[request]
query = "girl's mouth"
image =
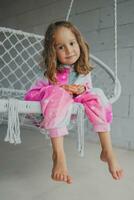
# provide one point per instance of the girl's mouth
(68, 57)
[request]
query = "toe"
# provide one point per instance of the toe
(61, 177)
(58, 177)
(120, 173)
(69, 179)
(114, 174)
(65, 178)
(117, 174)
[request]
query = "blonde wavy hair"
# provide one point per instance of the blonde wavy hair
(50, 63)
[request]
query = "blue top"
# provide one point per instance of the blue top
(73, 75)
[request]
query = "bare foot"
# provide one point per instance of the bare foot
(114, 168)
(59, 171)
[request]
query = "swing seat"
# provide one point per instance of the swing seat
(19, 68)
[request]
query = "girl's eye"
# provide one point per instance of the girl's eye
(61, 47)
(71, 43)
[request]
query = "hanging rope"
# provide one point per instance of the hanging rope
(13, 131)
(115, 46)
(69, 10)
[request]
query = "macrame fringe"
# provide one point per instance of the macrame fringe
(13, 130)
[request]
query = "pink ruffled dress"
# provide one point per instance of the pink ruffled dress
(57, 104)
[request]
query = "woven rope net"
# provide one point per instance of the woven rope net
(20, 55)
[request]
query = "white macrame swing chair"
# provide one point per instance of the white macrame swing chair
(20, 53)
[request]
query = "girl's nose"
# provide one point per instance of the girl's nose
(68, 50)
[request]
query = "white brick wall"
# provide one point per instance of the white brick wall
(131, 111)
(126, 14)
(127, 82)
(94, 18)
(82, 20)
(132, 60)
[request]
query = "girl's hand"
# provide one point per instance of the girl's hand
(74, 89)
(68, 88)
(80, 89)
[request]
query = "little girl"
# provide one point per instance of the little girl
(67, 79)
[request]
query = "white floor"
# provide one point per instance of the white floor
(25, 172)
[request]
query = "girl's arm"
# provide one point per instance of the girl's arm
(36, 91)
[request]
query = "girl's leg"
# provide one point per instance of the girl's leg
(59, 171)
(108, 155)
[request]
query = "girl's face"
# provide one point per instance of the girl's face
(66, 45)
